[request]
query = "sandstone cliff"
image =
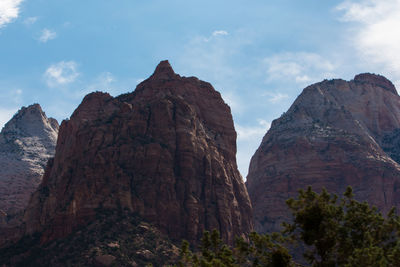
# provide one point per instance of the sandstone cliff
(27, 141)
(336, 133)
(166, 151)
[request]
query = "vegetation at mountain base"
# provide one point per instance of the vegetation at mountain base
(330, 231)
(325, 231)
(260, 250)
(113, 239)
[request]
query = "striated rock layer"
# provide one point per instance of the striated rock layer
(166, 151)
(336, 133)
(27, 141)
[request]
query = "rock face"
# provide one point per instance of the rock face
(335, 134)
(27, 141)
(166, 151)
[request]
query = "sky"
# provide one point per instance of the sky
(259, 54)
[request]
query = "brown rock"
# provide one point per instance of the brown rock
(3, 218)
(335, 134)
(166, 151)
(104, 260)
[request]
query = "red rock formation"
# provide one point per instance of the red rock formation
(335, 134)
(27, 141)
(166, 151)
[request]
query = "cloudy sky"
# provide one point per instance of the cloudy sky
(259, 54)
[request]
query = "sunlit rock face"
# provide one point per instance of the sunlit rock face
(27, 142)
(336, 133)
(166, 151)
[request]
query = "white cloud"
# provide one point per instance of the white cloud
(374, 32)
(6, 115)
(233, 100)
(47, 35)
(17, 96)
(249, 139)
(214, 35)
(103, 82)
(299, 67)
(275, 97)
(61, 73)
(30, 20)
(252, 132)
(213, 59)
(219, 32)
(9, 10)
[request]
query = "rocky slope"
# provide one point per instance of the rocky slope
(113, 239)
(336, 133)
(166, 152)
(27, 141)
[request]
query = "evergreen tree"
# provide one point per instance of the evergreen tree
(330, 231)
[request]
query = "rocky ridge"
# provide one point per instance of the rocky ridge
(336, 133)
(27, 141)
(165, 152)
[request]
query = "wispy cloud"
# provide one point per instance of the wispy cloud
(219, 32)
(103, 82)
(212, 58)
(374, 32)
(17, 96)
(249, 139)
(30, 20)
(47, 35)
(299, 67)
(275, 97)
(9, 10)
(215, 35)
(252, 132)
(61, 73)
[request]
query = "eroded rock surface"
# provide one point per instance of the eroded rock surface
(336, 133)
(166, 151)
(27, 141)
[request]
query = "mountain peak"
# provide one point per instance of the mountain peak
(34, 106)
(27, 141)
(336, 134)
(30, 121)
(169, 119)
(376, 79)
(163, 71)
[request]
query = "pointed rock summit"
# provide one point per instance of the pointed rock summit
(336, 134)
(164, 68)
(166, 151)
(27, 141)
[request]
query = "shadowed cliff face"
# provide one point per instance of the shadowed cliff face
(27, 141)
(166, 151)
(335, 134)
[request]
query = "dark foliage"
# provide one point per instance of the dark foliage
(330, 231)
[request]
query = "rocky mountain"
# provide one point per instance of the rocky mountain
(27, 141)
(336, 133)
(165, 152)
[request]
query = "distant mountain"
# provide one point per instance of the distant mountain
(336, 133)
(27, 141)
(165, 152)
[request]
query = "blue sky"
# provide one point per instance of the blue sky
(258, 54)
